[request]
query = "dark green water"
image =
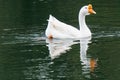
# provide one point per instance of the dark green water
(25, 53)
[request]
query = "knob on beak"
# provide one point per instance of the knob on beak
(90, 9)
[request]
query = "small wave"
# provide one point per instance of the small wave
(106, 34)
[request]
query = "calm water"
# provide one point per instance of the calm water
(25, 53)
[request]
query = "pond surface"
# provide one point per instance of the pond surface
(26, 54)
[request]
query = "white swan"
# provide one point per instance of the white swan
(58, 29)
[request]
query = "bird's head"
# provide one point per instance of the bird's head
(87, 10)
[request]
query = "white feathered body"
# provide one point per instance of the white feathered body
(59, 29)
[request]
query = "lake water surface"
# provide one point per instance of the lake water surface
(26, 54)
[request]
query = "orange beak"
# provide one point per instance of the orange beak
(90, 9)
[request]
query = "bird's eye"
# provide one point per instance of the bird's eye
(85, 7)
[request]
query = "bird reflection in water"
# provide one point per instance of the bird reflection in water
(88, 63)
(57, 47)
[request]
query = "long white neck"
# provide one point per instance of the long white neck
(82, 24)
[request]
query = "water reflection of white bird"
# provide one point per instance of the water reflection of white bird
(83, 50)
(88, 63)
(59, 46)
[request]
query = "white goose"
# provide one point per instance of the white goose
(58, 29)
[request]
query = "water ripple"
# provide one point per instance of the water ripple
(106, 34)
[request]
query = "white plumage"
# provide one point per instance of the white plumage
(58, 29)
